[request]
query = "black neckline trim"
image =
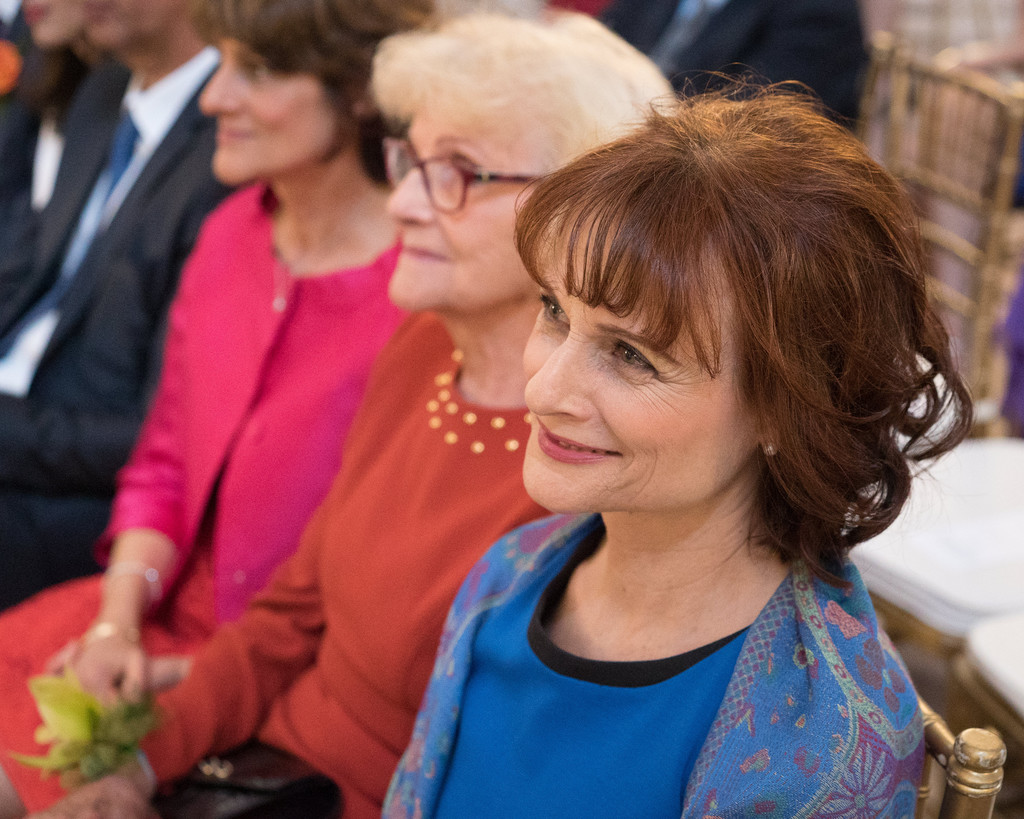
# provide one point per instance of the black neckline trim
(630, 674)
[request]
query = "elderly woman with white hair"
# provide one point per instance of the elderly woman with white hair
(331, 661)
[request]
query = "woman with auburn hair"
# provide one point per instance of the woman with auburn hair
(733, 373)
(329, 663)
(280, 314)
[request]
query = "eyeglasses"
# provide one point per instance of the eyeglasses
(446, 179)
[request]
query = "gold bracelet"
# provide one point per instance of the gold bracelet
(105, 628)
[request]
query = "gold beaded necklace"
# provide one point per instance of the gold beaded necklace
(446, 416)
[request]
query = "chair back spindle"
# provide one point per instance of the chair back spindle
(953, 137)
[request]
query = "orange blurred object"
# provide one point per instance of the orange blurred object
(10, 66)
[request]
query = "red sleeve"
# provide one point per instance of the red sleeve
(245, 666)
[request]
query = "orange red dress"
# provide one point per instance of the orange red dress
(330, 662)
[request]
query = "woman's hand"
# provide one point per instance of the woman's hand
(108, 659)
(167, 672)
(111, 668)
(112, 797)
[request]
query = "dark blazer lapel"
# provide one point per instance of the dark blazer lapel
(725, 33)
(640, 22)
(27, 274)
(20, 284)
(164, 160)
(90, 127)
(19, 31)
(178, 140)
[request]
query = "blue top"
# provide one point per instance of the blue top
(819, 718)
(536, 720)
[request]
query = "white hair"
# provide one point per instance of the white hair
(566, 77)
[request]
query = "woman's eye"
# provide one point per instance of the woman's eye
(631, 357)
(463, 163)
(551, 308)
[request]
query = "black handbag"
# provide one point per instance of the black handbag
(253, 781)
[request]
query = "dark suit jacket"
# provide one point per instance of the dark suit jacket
(19, 134)
(818, 42)
(61, 445)
(19, 31)
(19, 129)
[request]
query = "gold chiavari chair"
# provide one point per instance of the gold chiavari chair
(953, 137)
(929, 26)
(987, 688)
(972, 765)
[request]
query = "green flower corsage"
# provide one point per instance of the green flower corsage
(87, 740)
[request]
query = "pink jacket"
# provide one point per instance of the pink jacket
(253, 402)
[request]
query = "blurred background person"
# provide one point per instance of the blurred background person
(31, 134)
(14, 41)
(83, 306)
(281, 311)
(734, 372)
(817, 42)
(330, 662)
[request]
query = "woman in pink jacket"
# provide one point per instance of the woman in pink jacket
(281, 311)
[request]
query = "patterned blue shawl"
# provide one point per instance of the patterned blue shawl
(819, 718)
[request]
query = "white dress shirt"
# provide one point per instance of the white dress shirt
(8, 10)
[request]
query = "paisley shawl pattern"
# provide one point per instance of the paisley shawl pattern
(819, 720)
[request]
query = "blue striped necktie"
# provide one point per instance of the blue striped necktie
(122, 147)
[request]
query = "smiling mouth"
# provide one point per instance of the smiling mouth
(567, 450)
(577, 448)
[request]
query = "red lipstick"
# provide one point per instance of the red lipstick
(568, 451)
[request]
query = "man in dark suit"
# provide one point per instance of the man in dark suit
(817, 42)
(82, 310)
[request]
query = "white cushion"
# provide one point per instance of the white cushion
(996, 646)
(956, 553)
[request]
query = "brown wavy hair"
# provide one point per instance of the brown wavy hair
(753, 197)
(49, 80)
(334, 40)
